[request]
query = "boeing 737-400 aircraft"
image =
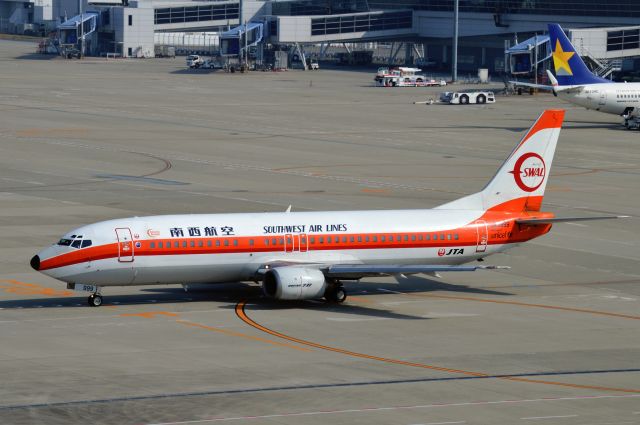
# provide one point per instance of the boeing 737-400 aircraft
(306, 255)
(575, 83)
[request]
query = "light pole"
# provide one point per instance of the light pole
(454, 52)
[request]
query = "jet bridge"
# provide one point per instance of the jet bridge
(524, 58)
(78, 32)
(234, 41)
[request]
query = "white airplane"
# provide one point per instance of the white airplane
(575, 83)
(305, 255)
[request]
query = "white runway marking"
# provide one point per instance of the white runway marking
(445, 423)
(393, 408)
(535, 418)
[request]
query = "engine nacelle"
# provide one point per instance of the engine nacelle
(294, 283)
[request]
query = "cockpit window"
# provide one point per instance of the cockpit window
(75, 242)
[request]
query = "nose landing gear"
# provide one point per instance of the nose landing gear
(95, 300)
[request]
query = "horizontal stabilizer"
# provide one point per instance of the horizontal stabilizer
(566, 219)
(360, 270)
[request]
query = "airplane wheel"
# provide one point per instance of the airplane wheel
(95, 300)
(340, 295)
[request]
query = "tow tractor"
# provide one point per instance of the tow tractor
(467, 97)
(404, 77)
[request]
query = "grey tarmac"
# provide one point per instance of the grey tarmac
(553, 340)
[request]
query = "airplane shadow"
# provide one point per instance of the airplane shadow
(590, 124)
(230, 294)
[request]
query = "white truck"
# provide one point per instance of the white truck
(195, 61)
(467, 97)
(405, 77)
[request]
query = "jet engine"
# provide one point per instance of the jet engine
(294, 283)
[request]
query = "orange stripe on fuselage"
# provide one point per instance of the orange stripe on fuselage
(501, 229)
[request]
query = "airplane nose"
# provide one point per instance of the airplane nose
(35, 262)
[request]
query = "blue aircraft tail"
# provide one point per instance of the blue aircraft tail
(569, 68)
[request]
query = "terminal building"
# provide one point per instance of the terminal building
(410, 30)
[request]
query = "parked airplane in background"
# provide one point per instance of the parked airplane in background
(305, 255)
(574, 82)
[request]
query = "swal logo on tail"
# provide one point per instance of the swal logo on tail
(529, 171)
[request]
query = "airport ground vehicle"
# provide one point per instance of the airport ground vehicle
(404, 77)
(468, 97)
(165, 51)
(195, 61)
(306, 255)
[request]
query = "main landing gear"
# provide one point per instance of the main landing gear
(335, 293)
(95, 300)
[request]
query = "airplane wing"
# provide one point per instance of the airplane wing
(566, 219)
(535, 86)
(357, 271)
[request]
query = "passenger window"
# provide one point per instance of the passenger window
(192, 244)
(352, 239)
(235, 242)
(289, 241)
(406, 238)
(274, 241)
(413, 238)
(226, 242)
(281, 241)
(375, 238)
(200, 244)
(312, 239)
(184, 244)
(441, 236)
(359, 238)
(449, 236)
(383, 238)
(455, 236)
(266, 242)
(86, 243)
(427, 237)
(217, 242)
(337, 239)
(344, 239)
(250, 242)
(420, 238)
(209, 243)
(321, 239)
(366, 238)
(160, 244)
(152, 245)
(176, 244)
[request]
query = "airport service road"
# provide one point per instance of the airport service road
(553, 340)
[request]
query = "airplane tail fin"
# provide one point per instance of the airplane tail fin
(520, 182)
(568, 65)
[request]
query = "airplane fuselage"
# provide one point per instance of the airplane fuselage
(611, 98)
(233, 247)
